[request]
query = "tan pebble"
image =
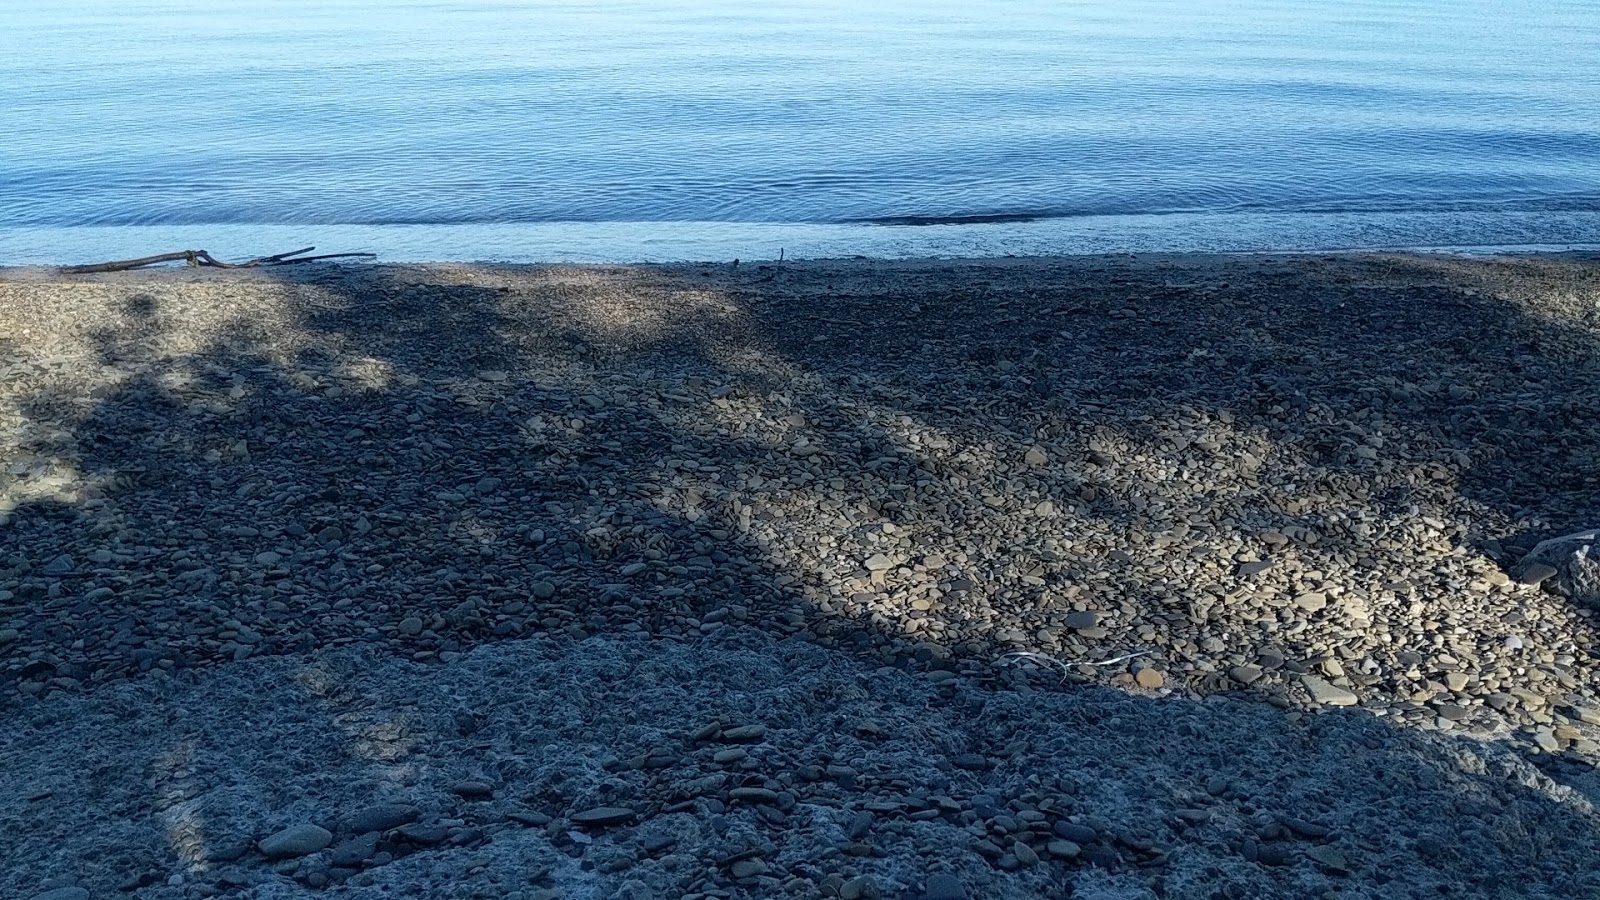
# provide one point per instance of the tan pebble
(1150, 678)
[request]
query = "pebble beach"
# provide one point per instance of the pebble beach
(1098, 577)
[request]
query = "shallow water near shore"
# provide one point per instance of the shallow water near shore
(1021, 126)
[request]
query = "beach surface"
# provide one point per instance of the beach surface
(1112, 577)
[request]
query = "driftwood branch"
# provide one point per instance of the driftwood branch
(196, 258)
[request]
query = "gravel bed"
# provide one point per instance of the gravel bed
(740, 766)
(1304, 482)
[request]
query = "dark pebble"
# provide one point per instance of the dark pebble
(423, 835)
(1274, 855)
(1078, 834)
(381, 817)
(602, 816)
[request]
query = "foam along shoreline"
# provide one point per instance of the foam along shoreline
(1237, 527)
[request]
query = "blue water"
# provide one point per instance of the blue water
(491, 128)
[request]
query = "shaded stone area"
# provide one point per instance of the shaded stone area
(1307, 481)
(741, 766)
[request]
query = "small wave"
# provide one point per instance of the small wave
(974, 219)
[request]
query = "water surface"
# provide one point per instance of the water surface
(995, 127)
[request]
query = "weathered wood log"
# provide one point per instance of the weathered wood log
(197, 258)
(125, 264)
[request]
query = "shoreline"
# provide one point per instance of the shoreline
(615, 242)
(1295, 483)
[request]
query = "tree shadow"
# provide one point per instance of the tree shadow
(1078, 460)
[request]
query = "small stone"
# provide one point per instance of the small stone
(603, 816)
(1082, 620)
(1452, 712)
(355, 851)
(1303, 828)
(1329, 858)
(61, 565)
(731, 755)
(944, 887)
(1150, 678)
(753, 795)
(1246, 569)
(1063, 849)
(7, 635)
(748, 868)
(744, 734)
(381, 817)
(861, 887)
(878, 562)
(1024, 854)
(423, 835)
(488, 485)
(473, 790)
(1078, 834)
(296, 840)
(1534, 573)
(1245, 674)
(1586, 714)
(1456, 681)
(1311, 602)
(1328, 694)
(1274, 855)
(411, 625)
(1035, 457)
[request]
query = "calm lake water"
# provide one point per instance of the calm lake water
(523, 129)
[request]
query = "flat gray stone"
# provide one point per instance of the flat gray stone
(423, 835)
(1078, 834)
(603, 816)
(1245, 674)
(473, 790)
(744, 733)
(296, 840)
(1328, 694)
(1081, 620)
(382, 817)
(1311, 601)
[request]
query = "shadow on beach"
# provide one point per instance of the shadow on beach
(1246, 471)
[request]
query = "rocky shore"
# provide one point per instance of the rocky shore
(1121, 577)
